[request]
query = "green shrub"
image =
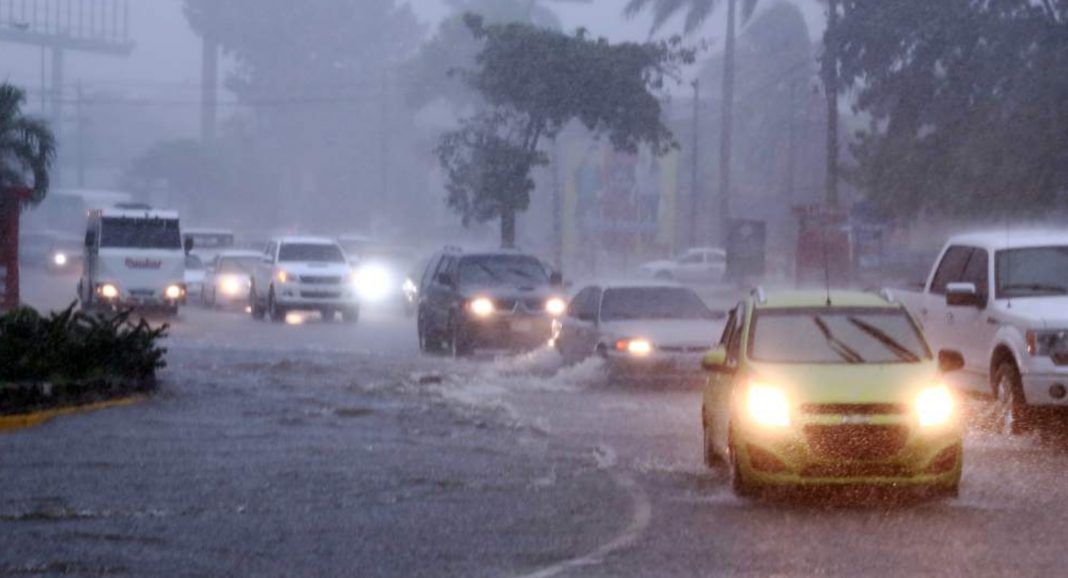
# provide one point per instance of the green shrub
(73, 346)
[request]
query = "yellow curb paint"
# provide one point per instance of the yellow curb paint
(27, 420)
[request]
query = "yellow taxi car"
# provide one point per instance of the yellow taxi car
(830, 388)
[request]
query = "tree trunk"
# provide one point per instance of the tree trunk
(830, 84)
(726, 135)
(508, 228)
(9, 250)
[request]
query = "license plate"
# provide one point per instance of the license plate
(523, 326)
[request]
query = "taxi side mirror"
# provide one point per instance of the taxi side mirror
(949, 360)
(715, 361)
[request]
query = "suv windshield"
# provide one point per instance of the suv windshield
(1032, 272)
(653, 303)
(502, 270)
(314, 252)
(836, 336)
(140, 233)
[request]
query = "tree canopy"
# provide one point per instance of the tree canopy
(535, 81)
(27, 146)
(966, 100)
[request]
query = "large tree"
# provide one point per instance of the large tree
(535, 81)
(319, 78)
(27, 147)
(968, 101)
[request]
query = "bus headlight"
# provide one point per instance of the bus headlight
(108, 291)
(173, 292)
(935, 406)
(767, 405)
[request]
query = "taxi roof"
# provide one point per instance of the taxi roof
(808, 298)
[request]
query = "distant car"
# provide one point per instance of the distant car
(700, 264)
(229, 278)
(207, 243)
(497, 299)
(195, 272)
(303, 274)
(829, 389)
(644, 331)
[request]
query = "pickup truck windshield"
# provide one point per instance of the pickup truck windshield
(501, 271)
(140, 233)
(1032, 272)
(653, 303)
(836, 336)
(313, 252)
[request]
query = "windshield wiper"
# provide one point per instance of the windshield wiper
(836, 344)
(1038, 287)
(903, 353)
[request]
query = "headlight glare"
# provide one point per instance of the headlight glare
(555, 306)
(108, 291)
(173, 292)
(635, 347)
(230, 285)
(482, 307)
(60, 259)
(283, 276)
(767, 405)
(373, 282)
(935, 406)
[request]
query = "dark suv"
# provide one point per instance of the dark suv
(500, 299)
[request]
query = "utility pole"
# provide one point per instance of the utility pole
(209, 74)
(726, 135)
(80, 128)
(695, 188)
(830, 82)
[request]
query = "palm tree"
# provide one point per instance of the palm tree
(27, 147)
(697, 11)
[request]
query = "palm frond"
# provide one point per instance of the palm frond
(27, 145)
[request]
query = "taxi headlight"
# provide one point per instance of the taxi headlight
(635, 347)
(173, 292)
(108, 291)
(60, 259)
(555, 306)
(767, 405)
(935, 406)
(230, 286)
(482, 307)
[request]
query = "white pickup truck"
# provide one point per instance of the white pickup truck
(1001, 299)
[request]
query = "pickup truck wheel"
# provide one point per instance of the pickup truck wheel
(327, 314)
(275, 311)
(1009, 414)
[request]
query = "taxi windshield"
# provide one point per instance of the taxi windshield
(823, 335)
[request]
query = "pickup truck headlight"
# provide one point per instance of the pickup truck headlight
(767, 405)
(1044, 343)
(935, 406)
(283, 276)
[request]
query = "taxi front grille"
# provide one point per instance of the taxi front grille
(860, 442)
(855, 470)
(854, 408)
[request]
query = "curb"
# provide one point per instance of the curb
(10, 423)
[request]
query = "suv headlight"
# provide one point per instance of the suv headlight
(935, 406)
(767, 405)
(1045, 343)
(482, 307)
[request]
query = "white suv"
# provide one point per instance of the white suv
(696, 265)
(303, 273)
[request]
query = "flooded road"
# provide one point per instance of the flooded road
(337, 450)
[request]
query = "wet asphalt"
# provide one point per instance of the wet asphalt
(321, 449)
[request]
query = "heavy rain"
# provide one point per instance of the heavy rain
(533, 288)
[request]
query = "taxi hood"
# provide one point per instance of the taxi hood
(857, 383)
